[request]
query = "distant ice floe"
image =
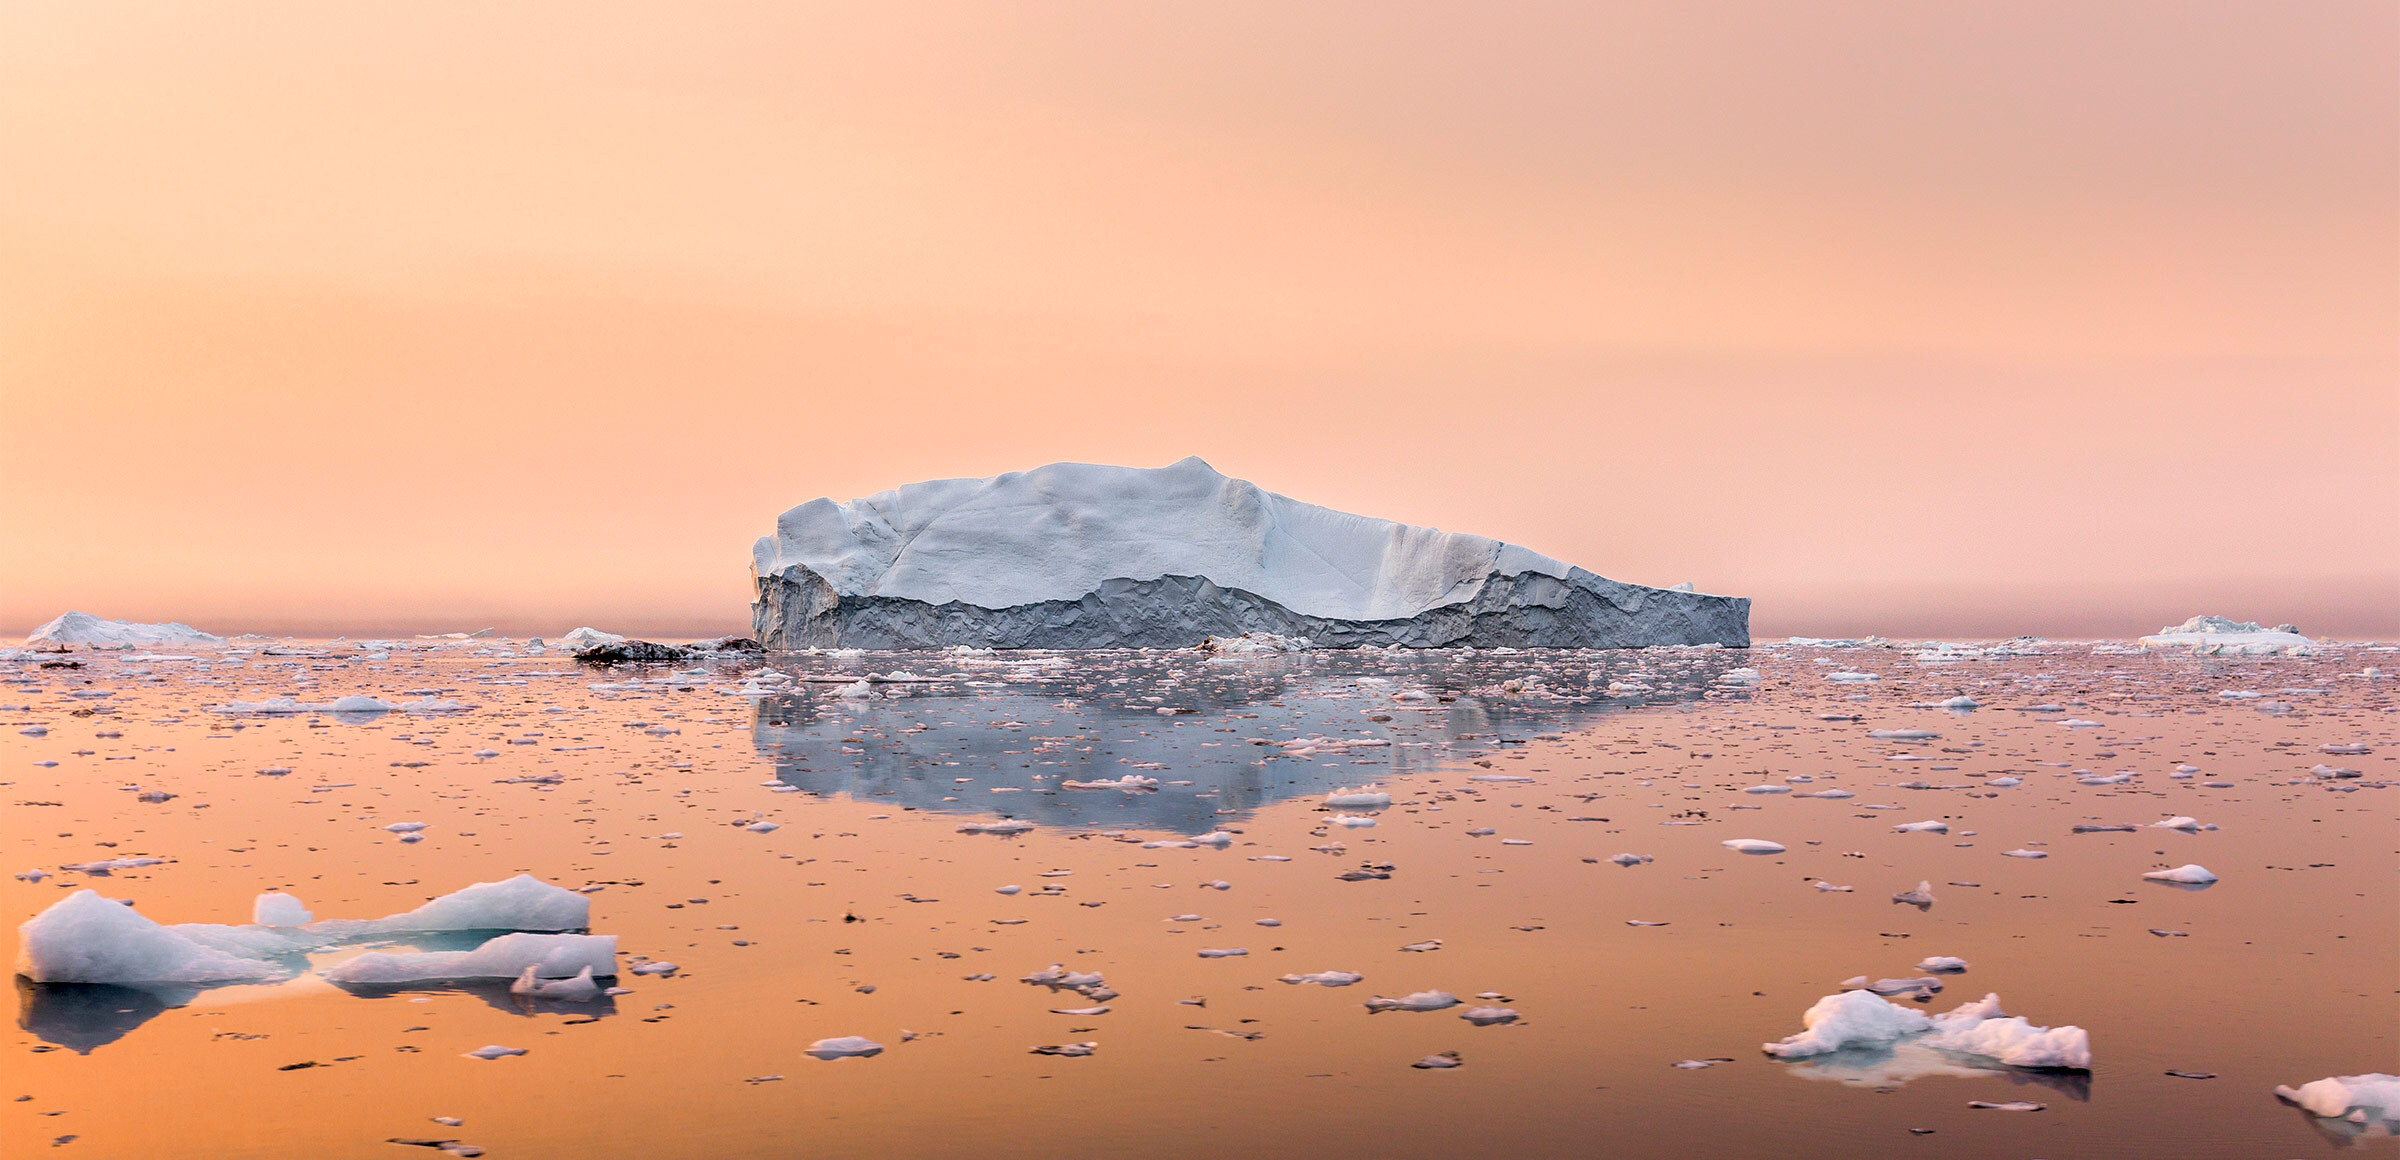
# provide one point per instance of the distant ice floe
(580, 639)
(1753, 846)
(82, 628)
(1254, 643)
(1863, 1019)
(845, 1047)
(2221, 636)
(2190, 874)
(353, 705)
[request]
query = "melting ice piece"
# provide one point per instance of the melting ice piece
(1863, 1019)
(1223, 952)
(510, 956)
(1439, 1061)
(495, 1051)
(580, 989)
(1011, 826)
(520, 903)
(1420, 1001)
(2179, 822)
(85, 938)
(1921, 897)
(1919, 986)
(1487, 1016)
(1629, 859)
(275, 908)
(1753, 846)
(1363, 798)
(2010, 1106)
(1942, 965)
(844, 1046)
(1326, 978)
(1828, 794)
(2189, 874)
(1927, 827)
(1904, 734)
(1828, 887)
(1431, 944)
(1071, 1050)
(2361, 1099)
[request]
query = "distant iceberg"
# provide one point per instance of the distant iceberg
(2221, 636)
(1081, 556)
(88, 630)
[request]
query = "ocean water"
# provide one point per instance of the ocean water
(863, 909)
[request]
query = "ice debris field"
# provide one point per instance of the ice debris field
(1254, 894)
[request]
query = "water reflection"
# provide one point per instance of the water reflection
(1900, 1063)
(84, 1016)
(1002, 736)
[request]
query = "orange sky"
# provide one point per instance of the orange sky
(1936, 319)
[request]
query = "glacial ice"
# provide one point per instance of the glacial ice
(85, 938)
(1083, 556)
(1854, 1019)
(2366, 1098)
(523, 903)
(2189, 874)
(510, 956)
(2221, 636)
(845, 1047)
(92, 632)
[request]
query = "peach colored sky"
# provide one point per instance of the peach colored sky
(1936, 319)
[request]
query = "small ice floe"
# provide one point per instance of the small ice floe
(1011, 889)
(1928, 827)
(1740, 677)
(1864, 1019)
(2347, 749)
(1921, 897)
(275, 908)
(762, 826)
(2010, 1106)
(1499, 778)
(1829, 888)
(1420, 1001)
(1903, 734)
(578, 989)
(1438, 1061)
(1130, 783)
(1960, 702)
(405, 827)
(1696, 1064)
(1363, 798)
(1070, 1050)
(1753, 846)
(1488, 1016)
(105, 867)
(2371, 1100)
(1765, 789)
(2188, 825)
(1849, 678)
(1827, 794)
(845, 1047)
(1223, 952)
(2005, 782)
(1922, 985)
(1431, 944)
(659, 967)
(1629, 859)
(1354, 822)
(1011, 826)
(1642, 922)
(2188, 874)
(85, 938)
(1325, 978)
(1942, 965)
(495, 1051)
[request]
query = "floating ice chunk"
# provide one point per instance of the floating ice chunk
(579, 989)
(2222, 636)
(1439, 1061)
(1420, 1001)
(1903, 734)
(1487, 1016)
(1740, 677)
(1011, 826)
(2359, 1098)
(520, 903)
(1223, 952)
(1129, 783)
(1011, 889)
(1363, 798)
(1942, 965)
(580, 639)
(1070, 1050)
(2005, 782)
(2189, 874)
(1928, 827)
(1251, 643)
(2024, 853)
(1499, 778)
(1827, 794)
(2010, 1106)
(1629, 859)
(1326, 978)
(844, 1047)
(1851, 1018)
(762, 826)
(1829, 888)
(2179, 822)
(1926, 985)
(405, 827)
(275, 908)
(1085, 1012)
(510, 956)
(2351, 749)
(658, 967)
(1921, 897)
(1431, 944)
(1767, 789)
(1753, 846)
(85, 938)
(1852, 678)
(495, 1051)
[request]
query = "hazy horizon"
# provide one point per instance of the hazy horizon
(2058, 318)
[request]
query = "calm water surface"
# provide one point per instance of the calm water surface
(868, 912)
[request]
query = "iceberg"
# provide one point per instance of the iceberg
(511, 956)
(2363, 1098)
(90, 631)
(1855, 1019)
(2221, 636)
(1081, 556)
(85, 938)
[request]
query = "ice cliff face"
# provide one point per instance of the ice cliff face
(1080, 556)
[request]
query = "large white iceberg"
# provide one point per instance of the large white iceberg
(1082, 556)
(2222, 636)
(88, 630)
(510, 956)
(85, 938)
(2365, 1099)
